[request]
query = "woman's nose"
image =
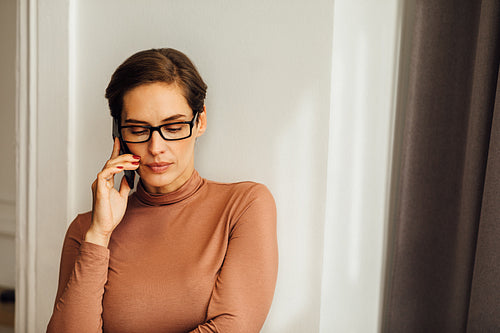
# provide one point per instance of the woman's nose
(157, 144)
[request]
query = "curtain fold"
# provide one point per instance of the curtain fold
(484, 309)
(445, 265)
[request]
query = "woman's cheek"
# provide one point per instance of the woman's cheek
(139, 170)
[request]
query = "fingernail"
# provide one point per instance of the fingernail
(135, 163)
(119, 167)
(137, 157)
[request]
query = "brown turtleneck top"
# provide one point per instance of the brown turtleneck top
(201, 259)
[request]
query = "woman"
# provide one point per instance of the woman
(181, 254)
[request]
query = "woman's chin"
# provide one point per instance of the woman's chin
(164, 182)
(156, 181)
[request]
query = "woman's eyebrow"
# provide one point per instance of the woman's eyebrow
(136, 121)
(174, 117)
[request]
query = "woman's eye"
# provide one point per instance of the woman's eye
(138, 131)
(173, 129)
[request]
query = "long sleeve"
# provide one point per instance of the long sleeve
(245, 286)
(82, 276)
(201, 259)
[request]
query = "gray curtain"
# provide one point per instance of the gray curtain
(444, 264)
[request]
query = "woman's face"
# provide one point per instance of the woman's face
(165, 165)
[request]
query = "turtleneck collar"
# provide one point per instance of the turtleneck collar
(185, 191)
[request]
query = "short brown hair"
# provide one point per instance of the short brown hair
(156, 65)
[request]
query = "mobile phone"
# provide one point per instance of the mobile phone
(129, 174)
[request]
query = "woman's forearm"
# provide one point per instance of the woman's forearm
(79, 307)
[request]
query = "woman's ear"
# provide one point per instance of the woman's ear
(202, 121)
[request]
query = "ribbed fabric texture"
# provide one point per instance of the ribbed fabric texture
(201, 259)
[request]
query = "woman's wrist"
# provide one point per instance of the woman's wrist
(97, 238)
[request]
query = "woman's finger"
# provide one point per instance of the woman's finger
(116, 148)
(106, 175)
(128, 163)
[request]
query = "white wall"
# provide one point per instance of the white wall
(7, 142)
(319, 137)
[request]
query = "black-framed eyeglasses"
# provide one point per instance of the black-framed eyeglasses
(170, 132)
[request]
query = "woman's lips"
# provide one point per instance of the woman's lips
(158, 167)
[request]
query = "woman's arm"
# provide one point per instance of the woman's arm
(85, 256)
(82, 276)
(245, 286)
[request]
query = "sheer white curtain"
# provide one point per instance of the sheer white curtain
(366, 65)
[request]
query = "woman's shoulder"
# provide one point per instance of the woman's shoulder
(245, 200)
(247, 189)
(237, 186)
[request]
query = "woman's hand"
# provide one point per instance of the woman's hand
(109, 205)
